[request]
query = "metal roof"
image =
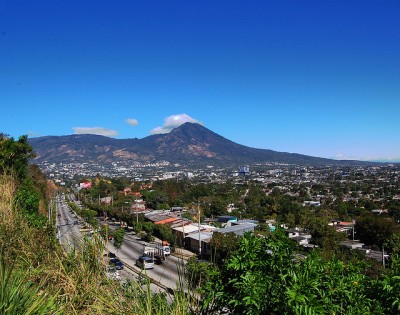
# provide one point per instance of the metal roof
(237, 229)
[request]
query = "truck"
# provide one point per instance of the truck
(157, 251)
(166, 248)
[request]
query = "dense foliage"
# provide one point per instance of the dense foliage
(266, 276)
(14, 155)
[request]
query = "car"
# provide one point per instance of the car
(112, 273)
(145, 262)
(157, 260)
(110, 255)
(116, 263)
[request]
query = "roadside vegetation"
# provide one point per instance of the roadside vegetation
(261, 273)
(36, 275)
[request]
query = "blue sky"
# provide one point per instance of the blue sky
(320, 78)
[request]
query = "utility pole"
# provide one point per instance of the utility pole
(198, 214)
(383, 256)
(183, 239)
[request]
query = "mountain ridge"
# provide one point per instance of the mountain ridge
(190, 144)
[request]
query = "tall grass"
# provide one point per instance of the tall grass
(19, 295)
(38, 277)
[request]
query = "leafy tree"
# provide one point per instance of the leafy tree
(385, 290)
(290, 220)
(14, 155)
(104, 231)
(222, 245)
(120, 183)
(118, 236)
(154, 198)
(89, 215)
(375, 230)
(251, 280)
(196, 272)
(392, 244)
(164, 232)
(263, 277)
(217, 207)
(27, 198)
(394, 209)
(199, 191)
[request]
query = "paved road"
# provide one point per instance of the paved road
(68, 233)
(169, 273)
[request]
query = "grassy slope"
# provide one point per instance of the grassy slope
(60, 283)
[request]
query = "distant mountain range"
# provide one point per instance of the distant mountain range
(189, 144)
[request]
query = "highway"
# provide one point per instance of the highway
(168, 274)
(68, 228)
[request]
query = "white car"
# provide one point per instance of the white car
(113, 274)
(145, 262)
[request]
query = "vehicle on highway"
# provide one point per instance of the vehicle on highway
(112, 273)
(116, 263)
(157, 251)
(157, 260)
(110, 255)
(145, 262)
(166, 248)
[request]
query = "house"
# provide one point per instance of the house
(239, 229)
(245, 221)
(138, 205)
(182, 229)
(205, 237)
(161, 218)
(374, 254)
(226, 218)
(342, 226)
(379, 211)
(106, 200)
(300, 238)
(177, 209)
(292, 233)
(311, 203)
(352, 244)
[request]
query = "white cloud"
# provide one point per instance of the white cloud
(132, 121)
(32, 134)
(371, 158)
(174, 121)
(95, 131)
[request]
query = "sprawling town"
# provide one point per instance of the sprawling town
(257, 198)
